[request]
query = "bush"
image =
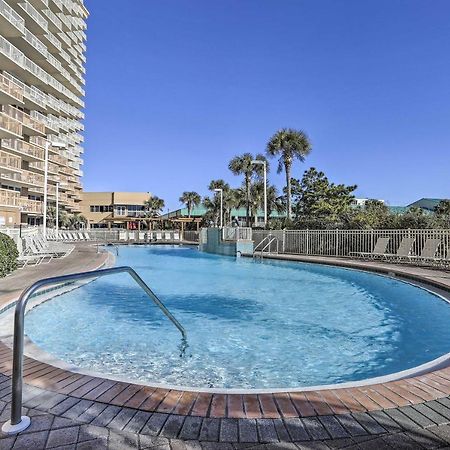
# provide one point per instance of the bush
(8, 255)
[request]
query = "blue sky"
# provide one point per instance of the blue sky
(176, 88)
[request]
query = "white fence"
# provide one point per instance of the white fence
(236, 234)
(122, 235)
(342, 243)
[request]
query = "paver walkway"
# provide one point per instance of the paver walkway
(75, 411)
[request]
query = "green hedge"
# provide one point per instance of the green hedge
(8, 255)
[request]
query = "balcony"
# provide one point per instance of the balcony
(26, 150)
(11, 58)
(35, 21)
(11, 24)
(9, 127)
(10, 163)
(52, 169)
(30, 126)
(30, 206)
(23, 178)
(9, 198)
(50, 126)
(10, 92)
(39, 4)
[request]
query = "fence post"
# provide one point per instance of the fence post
(307, 241)
(284, 240)
(337, 242)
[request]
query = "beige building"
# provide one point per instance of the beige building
(42, 46)
(113, 209)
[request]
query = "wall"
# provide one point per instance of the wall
(214, 244)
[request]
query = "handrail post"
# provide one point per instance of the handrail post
(18, 422)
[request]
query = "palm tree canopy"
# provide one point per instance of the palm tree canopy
(218, 184)
(288, 144)
(242, 165)
(190, 198)
(154, 206)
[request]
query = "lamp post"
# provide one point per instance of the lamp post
(48, 144)
(221, 205)
(264, 164)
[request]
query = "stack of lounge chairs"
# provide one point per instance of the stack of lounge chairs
(68, 236)
(428, 254)
(37, 250)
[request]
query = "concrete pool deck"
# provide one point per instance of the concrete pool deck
(72, 410)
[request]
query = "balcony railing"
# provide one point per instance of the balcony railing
(9, 124)
(25, 148)
(9, 14)
(25, 119)
(9, 198)
(12, 89)
(24, 177)
(30, 206)
(9, 161)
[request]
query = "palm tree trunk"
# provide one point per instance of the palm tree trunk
(288, 191)
(247, 194)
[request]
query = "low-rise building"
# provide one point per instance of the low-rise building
(113, 209)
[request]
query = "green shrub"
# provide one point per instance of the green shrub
(8, 255)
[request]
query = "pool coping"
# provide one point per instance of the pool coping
(374, 394)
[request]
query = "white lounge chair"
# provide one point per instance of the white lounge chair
(379, 249)
(131, 235)
(403, 252)
(176, 236)
(428, 252)
(141, 236)
(158, 236)
(122, 236)
(87, 236)
(167, 236)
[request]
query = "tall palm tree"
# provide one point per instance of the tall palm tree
(288, 144)
(153, 208)
(242, 165)
(190, 199)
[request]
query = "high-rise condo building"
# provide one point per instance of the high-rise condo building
(42, 58)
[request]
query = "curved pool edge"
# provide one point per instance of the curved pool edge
(406, 274)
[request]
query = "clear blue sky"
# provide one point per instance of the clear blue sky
(176, 88)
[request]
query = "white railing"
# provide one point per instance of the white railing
(134, 236)
(236, 234)
(342, 243)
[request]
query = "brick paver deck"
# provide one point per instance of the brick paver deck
(77, 411)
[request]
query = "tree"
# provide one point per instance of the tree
(414, 218)
(319, 201)
(274, 202)
(154, 206)
(242, 165)
(76, 221)
(373, 215)
(288, 144)
(190, 199)
(442, 212)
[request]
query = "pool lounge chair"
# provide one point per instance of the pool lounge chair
(167, 236)
(158, 236)
(87, 236)
(131, 235)
(428, 253)
(31, 260)
(176, 236)
(403, 252)
(122, 236)
(378, 251)
(141, 236)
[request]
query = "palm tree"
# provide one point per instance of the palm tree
(75, 221)
(154, 206)
(288, 144)
(190, 199)
(242, 165)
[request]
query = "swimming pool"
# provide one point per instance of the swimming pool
(250, 324)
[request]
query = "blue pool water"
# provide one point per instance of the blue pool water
(273, 324)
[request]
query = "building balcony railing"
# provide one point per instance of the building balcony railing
(9, 127)
(30, 125)
(9, 161)
(30, 206)
(37, 24)
(23, 178)
(11, 23)
(10, 91)
(9, 198)
(40, 166)
(26, 150)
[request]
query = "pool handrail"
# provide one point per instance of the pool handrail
(18, 422)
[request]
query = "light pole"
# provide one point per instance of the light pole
(57, 210)
(48, 144)
(221, 205)
(264, 164)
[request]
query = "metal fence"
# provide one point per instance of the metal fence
(236, 234)
(130, 236)
(342, 243)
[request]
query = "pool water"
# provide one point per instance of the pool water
(250, 324)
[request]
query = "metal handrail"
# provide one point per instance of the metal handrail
(18, 422)
(270, 238)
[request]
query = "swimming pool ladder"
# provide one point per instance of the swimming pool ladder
(18, 422)
(265, 244)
